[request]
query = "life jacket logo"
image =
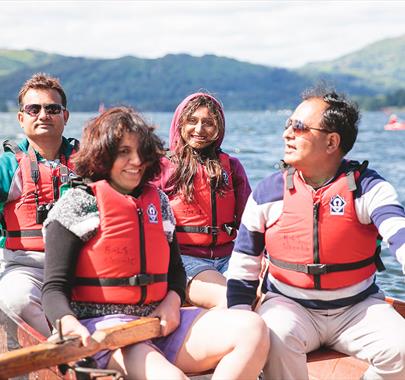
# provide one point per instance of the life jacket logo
(225, 177)
(152, 214)
(337, 205)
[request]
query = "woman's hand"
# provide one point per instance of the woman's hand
(71, 326)
(169, 313)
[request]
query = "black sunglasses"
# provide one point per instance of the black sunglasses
(299, 126)
(50, 109)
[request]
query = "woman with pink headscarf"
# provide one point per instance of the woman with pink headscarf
(208, 190)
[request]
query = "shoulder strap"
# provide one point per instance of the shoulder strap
(289, 178)
(10, 145)
(353, 167)
(34, 164)
(64, 174)
(74, 143)
(284, 167)
(81, 183)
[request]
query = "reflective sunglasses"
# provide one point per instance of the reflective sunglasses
(50, 109)
(299, 127)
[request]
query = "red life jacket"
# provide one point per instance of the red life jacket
(210, 219)
(318, 241)
(127, 261)
(23, 217)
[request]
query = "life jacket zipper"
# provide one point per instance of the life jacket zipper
(215, 231)
(317, 277)
(142, 252)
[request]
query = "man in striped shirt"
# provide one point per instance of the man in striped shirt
(316, 224)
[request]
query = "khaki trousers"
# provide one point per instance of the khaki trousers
(20, 291)
(370, 330)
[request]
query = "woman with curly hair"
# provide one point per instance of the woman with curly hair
(112, 257)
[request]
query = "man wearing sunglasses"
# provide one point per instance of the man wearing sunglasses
(31, 174)
(317, 222)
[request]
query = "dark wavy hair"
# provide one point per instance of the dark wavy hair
(42, 81)
(341, 115)
(101, 138)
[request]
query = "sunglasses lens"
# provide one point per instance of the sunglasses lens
(53, 109)
(50, 109)
(32, 109)
(298, 125)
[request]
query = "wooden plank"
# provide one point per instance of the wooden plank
(49, 353)
(337, 369)
(15, 333)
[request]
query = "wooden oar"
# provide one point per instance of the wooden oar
(51, 353)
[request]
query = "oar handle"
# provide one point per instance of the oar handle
(49, 353)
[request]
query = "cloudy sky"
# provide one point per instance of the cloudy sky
(276, 33)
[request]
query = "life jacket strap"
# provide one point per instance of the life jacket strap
(290, 173)
(142, 279)
(289, 178)
(64, 174)
(74, 143)
(23, 233)
(79, 182)
(11, 145)
(355, 166)
(351, 181)
(317, 269)
(227, 227)
(377, 255)
(198, 229)
(34, 164)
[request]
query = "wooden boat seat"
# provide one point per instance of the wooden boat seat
(327, 364)
(324, 353)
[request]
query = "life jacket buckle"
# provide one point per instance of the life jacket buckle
(214, 230)
(316, 269)
(140, 280)
(228, 229)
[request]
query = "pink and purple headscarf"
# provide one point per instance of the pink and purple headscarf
(174, 134)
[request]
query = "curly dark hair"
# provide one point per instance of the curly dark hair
(42, 81)
(101, 138)
(341, 115)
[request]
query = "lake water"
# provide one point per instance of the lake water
(255, 138)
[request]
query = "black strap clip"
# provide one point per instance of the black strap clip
(316, 269)
(140, 280)
(229, 228)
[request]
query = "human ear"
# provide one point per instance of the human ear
(65, 116)
(20, 118)
(333, 142)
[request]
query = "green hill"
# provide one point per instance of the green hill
(159, 84)
(373, 75)
(14, 60)
(380, 64)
